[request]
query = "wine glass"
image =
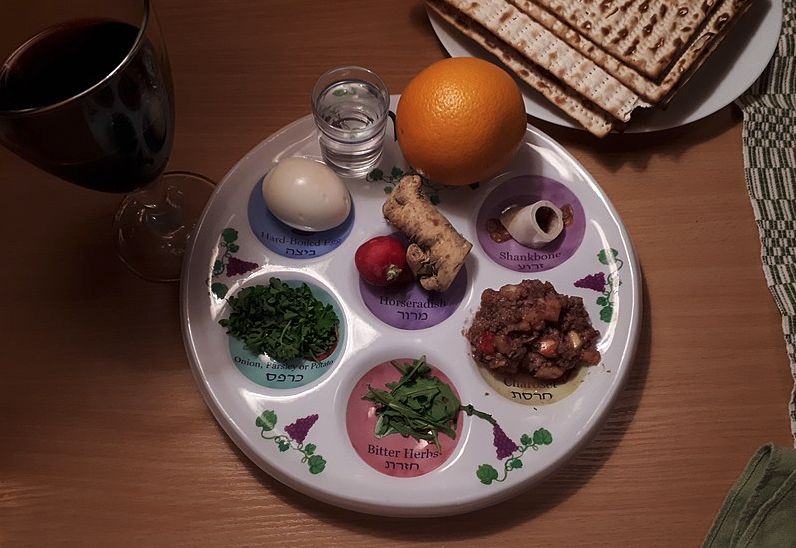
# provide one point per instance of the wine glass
(86, 94)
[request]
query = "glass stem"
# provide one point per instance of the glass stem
(160, 213)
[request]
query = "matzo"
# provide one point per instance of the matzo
(655, 91)
(648, 35)
(552, 55)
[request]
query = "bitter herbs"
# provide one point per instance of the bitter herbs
(281, 321)
(418, 405)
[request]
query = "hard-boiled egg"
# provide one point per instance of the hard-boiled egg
(306, 194)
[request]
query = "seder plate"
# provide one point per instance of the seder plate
(339, 460)
(734, 66)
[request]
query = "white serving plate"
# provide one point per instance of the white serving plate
(378, 476)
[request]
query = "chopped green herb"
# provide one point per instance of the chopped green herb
(281, 321)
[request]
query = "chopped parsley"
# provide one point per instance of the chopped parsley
(281, 321)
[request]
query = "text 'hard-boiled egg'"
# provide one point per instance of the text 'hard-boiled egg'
(306, 194)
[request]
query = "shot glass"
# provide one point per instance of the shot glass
(350, 106)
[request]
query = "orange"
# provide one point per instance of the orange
(460, 121)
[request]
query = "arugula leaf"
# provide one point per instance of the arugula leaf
(281, 321)
(417, 405)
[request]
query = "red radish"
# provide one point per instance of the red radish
(381, 261)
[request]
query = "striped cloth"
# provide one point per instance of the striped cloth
(769, 153)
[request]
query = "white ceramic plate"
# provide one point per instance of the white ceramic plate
(731, 69)
(339, 460)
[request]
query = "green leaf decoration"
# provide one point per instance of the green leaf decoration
(219, 290)
(283, 445)
(396, 173)
(233, 248)
(602, 256)
(434, 199)
(542, 437)
(309, 449)
(603, 301)
(514, 464)
(266, 421)
(607, 313)
(229, 235)
(375, 175)
(316, 464)
(487, 474)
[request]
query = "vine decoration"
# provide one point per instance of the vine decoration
(293, 438)
(227, 264)
(432, 190)
(509, 451)
(606, 285)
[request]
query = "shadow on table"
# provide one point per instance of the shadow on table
(522, 508)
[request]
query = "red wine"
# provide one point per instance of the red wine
(117, 135)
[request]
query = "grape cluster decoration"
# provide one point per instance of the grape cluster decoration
(504, 445)
(296, 434)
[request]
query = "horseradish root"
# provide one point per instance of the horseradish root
(436, 250)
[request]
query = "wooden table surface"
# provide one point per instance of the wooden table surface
(105, 439)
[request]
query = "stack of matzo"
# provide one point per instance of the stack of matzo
(597, 60)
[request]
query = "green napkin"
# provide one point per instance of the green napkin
(769, 152)
(760, 510)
